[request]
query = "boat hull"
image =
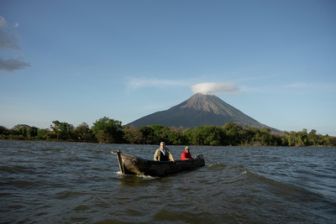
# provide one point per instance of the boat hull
(130, 164)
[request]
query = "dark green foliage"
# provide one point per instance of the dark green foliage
(24, 131)
(83, 133)
(150, 135)
(3, 131)
(44, 134)
(62, 130)
(177, 137)
(206, 135)
(229, 134)
(132, 135)
(232, 134)
(106, 130)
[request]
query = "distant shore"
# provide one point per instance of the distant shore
(106, 130)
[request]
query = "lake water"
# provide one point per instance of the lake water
(48, 182)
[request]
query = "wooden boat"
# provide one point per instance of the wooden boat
(129, 164)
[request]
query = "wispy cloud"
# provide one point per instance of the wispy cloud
(7, 37)
(299, 85)
(136, 83)
(3, 22)
(203, 87)
(295, 87)
(9, 41)
(213, 87)
(307, 86)
(12, 64)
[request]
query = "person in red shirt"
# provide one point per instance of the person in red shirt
(186, 155)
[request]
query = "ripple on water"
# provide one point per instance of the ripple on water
(68, 194)
(52, 182)
(201, 217)
(81, 208)
(16, 169)
(22, 184)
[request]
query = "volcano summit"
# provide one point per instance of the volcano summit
(199, 109)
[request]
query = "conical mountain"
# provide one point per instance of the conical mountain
(199, 109)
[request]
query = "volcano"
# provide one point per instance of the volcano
(199, 109)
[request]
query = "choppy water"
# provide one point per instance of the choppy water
(45, 182)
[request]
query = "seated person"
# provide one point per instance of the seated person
(163, 153)
(186, 155)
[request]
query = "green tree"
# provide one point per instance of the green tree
(108, 130)
(332, 141)
(132, 135)
(290, 138)
(212, 135)
(301, 138)
(83, 133)
(148, 135)
(232, 134)
(205, 135)
(43, 134)
(62, 130)
(162, 133)
(326, 140)
(263, 136)
(4, 132)
(313, 138)
(24, 131)
(193, 136)
(177, 137)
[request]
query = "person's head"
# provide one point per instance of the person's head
(186, 149)
(162, 144)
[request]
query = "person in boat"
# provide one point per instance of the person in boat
(163, 153)
(186, 155)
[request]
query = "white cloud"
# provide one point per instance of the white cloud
(213, 87)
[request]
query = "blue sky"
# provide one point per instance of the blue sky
(77, 61)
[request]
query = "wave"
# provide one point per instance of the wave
(69, 194)
(16, 169)
(235, 172)
(225, 174)
(56, 149)
(18, 183)
(287, 190)
(230, 174)
(145, 177)
(217, 166)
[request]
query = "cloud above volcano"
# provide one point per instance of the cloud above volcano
(214, 87)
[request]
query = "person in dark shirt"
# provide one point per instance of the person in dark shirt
(186, 155)
(163, 153)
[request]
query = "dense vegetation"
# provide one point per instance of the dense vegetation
(106, 130)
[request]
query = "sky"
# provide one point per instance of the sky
(78, 61)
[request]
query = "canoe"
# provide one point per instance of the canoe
(129, 164)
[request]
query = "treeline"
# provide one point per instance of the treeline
(106, 130)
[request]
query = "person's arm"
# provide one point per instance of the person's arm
(156, 155)
(170, 156)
